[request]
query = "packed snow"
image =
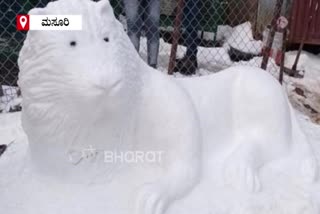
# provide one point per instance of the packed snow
(24, 191)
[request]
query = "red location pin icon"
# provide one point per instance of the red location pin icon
(23, 22)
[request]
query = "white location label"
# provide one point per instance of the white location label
(23, 21)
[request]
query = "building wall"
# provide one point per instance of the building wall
(299, 22)
(265, 12)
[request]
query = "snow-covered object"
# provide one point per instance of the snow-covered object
(9, 99)
(223, 32)
(91, 89)
(242, 39)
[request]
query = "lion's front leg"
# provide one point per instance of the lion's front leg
(174, 129)
(151, 199)
(178, 171)
(156, 197)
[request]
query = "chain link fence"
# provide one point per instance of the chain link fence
(213, 35)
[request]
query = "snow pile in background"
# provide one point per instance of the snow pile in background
(242, 39)
(10, 99)
(212, 59)
(223, 32)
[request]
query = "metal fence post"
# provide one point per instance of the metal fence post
(272, 33)
(176, 36)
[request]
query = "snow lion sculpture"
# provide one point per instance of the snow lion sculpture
(90, 88)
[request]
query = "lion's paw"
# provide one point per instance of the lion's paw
(151, 200)
(242, 176)
(309, 169)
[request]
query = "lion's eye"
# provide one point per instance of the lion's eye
(106, 39)
(73, 43)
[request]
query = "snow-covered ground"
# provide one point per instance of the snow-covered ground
(24, 191)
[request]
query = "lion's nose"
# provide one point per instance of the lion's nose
(2, 149)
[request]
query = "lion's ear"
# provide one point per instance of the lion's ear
(35, 11)
(104, 7)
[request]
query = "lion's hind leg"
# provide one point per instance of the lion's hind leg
(241, 168)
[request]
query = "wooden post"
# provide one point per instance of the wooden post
(272, 33)
(284, 49)
(1, 91)
(176, 36)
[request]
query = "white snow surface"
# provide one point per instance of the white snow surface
(308, 62)
(25, 191)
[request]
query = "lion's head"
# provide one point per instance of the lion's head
(73, 68)
(73, 83)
